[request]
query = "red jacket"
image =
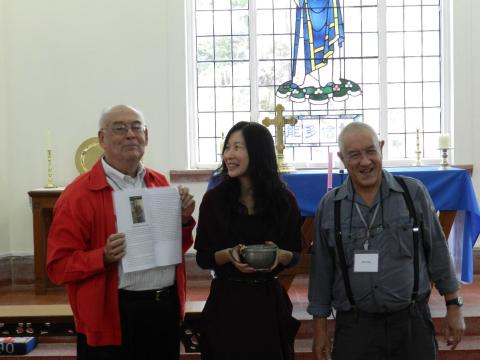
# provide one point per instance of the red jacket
(83, 220)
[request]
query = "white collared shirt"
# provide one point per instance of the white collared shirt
(156, 278)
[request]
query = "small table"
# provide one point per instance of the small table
(43, 201)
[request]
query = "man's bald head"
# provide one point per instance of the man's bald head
(356, 127)
(111, 110)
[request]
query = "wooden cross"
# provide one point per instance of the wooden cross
(279, 122)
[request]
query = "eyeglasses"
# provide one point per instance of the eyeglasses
(122, 129)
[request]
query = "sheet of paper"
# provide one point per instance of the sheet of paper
(151, 221)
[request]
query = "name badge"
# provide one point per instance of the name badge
(365, 261)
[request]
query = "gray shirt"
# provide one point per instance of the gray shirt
(390, 234)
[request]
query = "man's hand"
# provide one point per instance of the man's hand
(454, 327)
(114, 249)
(188, 203)
(321, 342)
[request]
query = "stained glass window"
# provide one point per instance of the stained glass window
(377, 61)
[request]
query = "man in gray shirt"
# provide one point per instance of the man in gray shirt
(378, 247)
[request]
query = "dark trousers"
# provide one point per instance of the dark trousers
(403, 335)
(150, 328)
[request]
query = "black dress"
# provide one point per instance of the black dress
(246, 316)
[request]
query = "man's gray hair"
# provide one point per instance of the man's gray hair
(116, 108)
(356, 127)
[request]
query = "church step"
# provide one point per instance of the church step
(67, 351)
(39, 310)
(49, 351)
(469, 349)
(65, 324)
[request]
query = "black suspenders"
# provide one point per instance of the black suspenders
(415, 229)
(341, 252)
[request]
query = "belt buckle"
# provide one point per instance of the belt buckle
(158, 293)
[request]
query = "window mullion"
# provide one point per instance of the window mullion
(445, 66)
(193, 153)
(382, 76)
(252, 25)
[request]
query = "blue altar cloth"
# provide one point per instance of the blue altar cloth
(450, 189)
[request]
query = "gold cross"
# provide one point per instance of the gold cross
(279, 122)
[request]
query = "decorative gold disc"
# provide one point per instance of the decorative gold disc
(87, 154)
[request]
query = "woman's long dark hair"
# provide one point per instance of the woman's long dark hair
(268, 188)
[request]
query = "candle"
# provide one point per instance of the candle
(220, 144)
(419, 125)
(444, 141)
(330, 170)
(49, 140)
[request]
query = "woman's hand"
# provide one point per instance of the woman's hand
(283, 256)
(236, 260)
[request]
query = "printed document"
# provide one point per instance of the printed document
(150, 218)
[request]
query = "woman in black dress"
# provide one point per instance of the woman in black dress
(248, 315)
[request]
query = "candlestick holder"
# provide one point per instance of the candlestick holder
(444, 165)
(50, 183)
(418, 152)
(220, 144)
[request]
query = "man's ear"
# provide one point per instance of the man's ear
(101, 137)
(381, 143)
(146, 136)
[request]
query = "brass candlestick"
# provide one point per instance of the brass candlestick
(444, 165)
(50, 183)
(220, 146)
(418, 152)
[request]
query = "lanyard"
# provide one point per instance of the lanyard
(367, 227)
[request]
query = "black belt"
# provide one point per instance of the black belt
(154, 295)
(259, 280)
(419, 304)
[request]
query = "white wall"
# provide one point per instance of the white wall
(62, 61)
(465, 49)
(473, 81)
(66, 60)
(4, 148)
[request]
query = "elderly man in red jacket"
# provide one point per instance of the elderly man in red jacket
(117, 314)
